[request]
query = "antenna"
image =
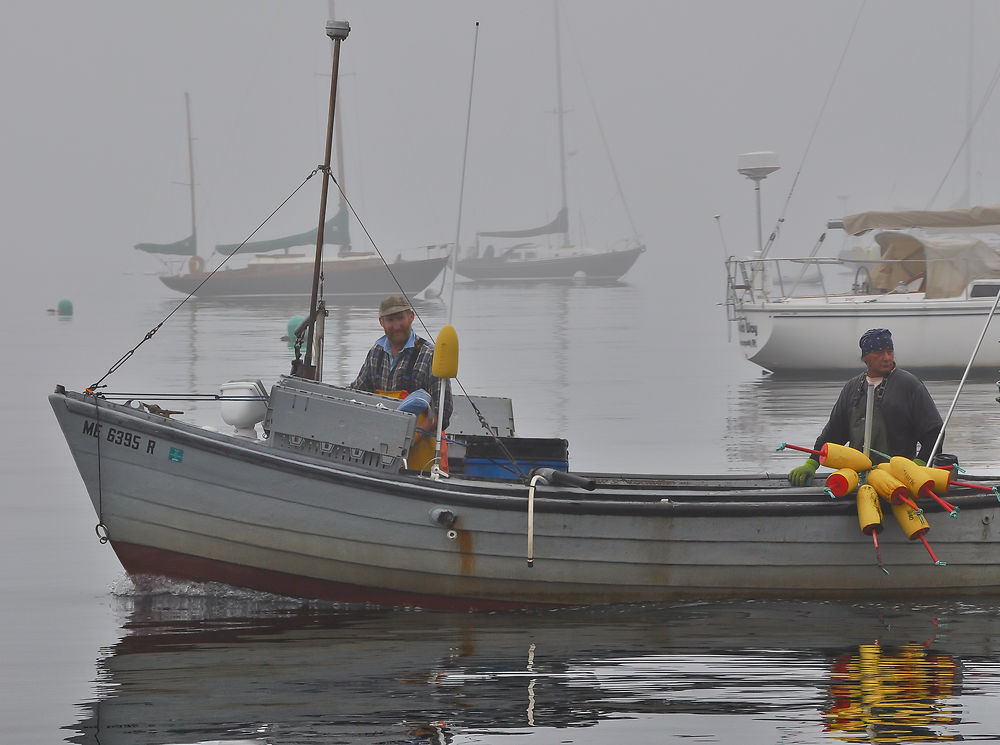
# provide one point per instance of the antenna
(757, 167)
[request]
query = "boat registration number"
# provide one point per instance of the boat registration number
(117, 436)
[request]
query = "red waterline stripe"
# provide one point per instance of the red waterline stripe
(143, 560)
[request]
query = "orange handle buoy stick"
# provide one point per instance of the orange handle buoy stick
(926, 491)
(835, 456)
(981, 487)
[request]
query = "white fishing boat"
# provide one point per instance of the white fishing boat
(932, 279)
(316, 493)
(552, 255)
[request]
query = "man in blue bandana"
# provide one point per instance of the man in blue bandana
(904, 414)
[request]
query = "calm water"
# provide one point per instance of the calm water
(88, 657)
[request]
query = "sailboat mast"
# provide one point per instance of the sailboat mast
(338, 135)
(194, 221)
(967, 201)
(559, 114)
(339, 140)
(338, 31)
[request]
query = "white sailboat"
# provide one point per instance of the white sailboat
(933, 282)
(558, 258)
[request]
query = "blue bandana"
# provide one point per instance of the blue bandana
(875, 340)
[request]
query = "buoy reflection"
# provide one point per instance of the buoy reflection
(893, 695)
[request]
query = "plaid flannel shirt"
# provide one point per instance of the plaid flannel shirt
(381, 372)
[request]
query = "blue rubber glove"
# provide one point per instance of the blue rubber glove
(416, 402)
(803, 475)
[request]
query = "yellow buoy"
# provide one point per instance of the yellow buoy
(920, 481)
(842, 482)
(445, 363)
(833, 455)
(421, 455)
(869, 510)
(941, 478)
(913, 523)
(912, 475)
(889, 487)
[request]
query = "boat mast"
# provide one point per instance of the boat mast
(194, 222)
(337, 31)
(338, 136)
(559, 113)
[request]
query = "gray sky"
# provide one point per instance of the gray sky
(94, 145)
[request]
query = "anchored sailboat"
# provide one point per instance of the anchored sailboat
(557, 259)
(348, 274)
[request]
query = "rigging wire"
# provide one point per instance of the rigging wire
(92, 389)
(600, 129)
(458, 228)
(812, 136)
(972, 125)
(461, 185)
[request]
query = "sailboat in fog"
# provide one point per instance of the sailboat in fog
(557, 258)
(348, 274)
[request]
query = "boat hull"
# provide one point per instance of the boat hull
(801, 336)
(181, 501)
(608, 266)
(342, 278)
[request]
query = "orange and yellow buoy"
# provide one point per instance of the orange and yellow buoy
(870, 517)
(842, 482)
(891, 488)
(836, 456)
(936, 471)
(869, 510)
(919, 481)
(915, 526)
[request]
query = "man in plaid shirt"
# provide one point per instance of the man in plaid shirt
(401, 360)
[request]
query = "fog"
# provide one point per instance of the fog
(95, 149)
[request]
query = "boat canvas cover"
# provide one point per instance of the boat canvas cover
(955, 218)
(335, 232)
(947, 263)
(183, 247)
(559, 225)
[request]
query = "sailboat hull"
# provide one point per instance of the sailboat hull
(608, 266)
(181, 501)
(802, 335)
(350, 277)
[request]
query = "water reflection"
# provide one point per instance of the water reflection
(232, 666)
(894, 695)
